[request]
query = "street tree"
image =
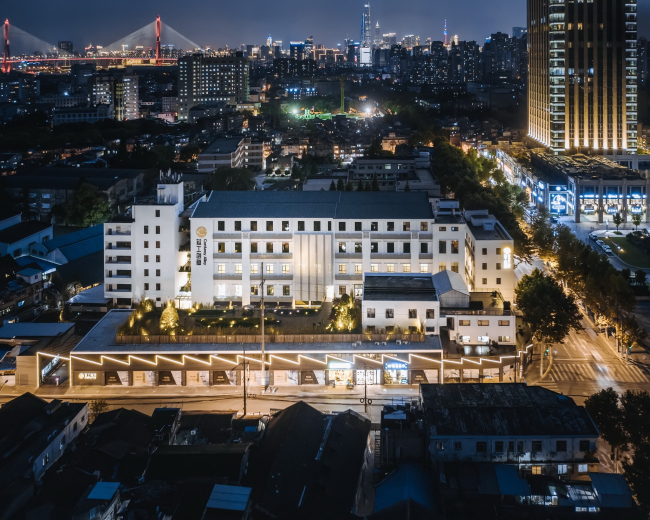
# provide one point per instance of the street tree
(339, 185)
(603, 407)
(637, 473)
(548, 310)
(87, 207)
(97, 407)
(632, 334)
(640, 277)
(617, 220)
(637, 218)
(332, 186)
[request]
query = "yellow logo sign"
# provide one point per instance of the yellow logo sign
(201, 232)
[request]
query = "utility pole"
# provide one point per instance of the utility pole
(262, 326)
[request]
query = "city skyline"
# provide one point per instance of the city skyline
(328, 26)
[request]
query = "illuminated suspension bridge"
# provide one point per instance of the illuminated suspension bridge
(156, 42)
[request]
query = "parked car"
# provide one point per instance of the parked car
(553, 220)
(600, 243)
(607, 249)
(592, 236)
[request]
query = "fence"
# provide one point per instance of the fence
(280, 338)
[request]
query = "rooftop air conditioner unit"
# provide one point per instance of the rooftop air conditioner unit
(399, 342)
(377, 343)
(406, 343)
(383, 343)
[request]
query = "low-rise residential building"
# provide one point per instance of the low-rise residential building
(231, 152)
(78, 114)
(540, 431)
(16, 236)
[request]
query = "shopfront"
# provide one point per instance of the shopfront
(396, 373)
(369, 377)
(340, 372)
(197, 377)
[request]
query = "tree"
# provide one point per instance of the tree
(375, 184)
(189, 153)
(360, 186)
(637, 218)
(332, 186)
(339, 185)
(349, 186)
(97, 407)
(230, 179)
(549, 311)
(637, 474)
(87, 207)
(617, 220)
(169, 318)
(375, 148)
(603, 407)
(632, 334)
(407, 187)
(640, 277)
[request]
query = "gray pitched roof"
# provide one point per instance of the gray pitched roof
(446, 281)
(315, 204)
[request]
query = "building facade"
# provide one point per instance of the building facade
(204, 79)
(582, 92)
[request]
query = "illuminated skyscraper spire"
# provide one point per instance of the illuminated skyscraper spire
(445, 33)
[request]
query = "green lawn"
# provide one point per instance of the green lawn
(631, 254)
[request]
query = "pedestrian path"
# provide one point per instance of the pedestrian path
(598, 372)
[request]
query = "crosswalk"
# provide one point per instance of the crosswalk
(598, 372)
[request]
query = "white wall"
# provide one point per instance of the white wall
(401, 314)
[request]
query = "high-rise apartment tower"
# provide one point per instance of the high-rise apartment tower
(582, 89)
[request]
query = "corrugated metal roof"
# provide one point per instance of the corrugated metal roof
(230, 498)
(72, 238)
(609, 484)
(33, 330)
(446, 281)
(83, 248)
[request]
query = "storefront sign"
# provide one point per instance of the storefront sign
(88, 375)
(395, 365)
(611, 210)
(339, 365)
(558, 203)
(636, 209)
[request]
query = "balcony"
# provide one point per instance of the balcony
(236, 276)
(271, 235)
(120, 260)
(349, 256)
(116, 232)
(227, 256)
(348, 236)
(222, 235)
(403, 235)
(390, 256)
(272, 276)
(426, 256)
(271, 256)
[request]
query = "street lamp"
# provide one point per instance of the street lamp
(364, 400)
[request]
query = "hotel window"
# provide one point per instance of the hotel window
(237, 225)
(253, 225)
(390, 226)
(406, 226)
(562, 469)
(424, 268)
(157, 230)
(342, 247)
(454, 247)
(286, 269)
(454, 267)
(237, 247)
(390, 313)
(498, 281)
(238, 290)
(374, 226)
(254, 269)
(301, 225)
(157, 287)
(406, 248)
(270, 290)
(413, 314)
(374, 247)
(442, 247)
(146, 287)
(221, 247)
(390, 247)
(146, 272)
(357, 247)
(342, 290)
(406, 268)
(442, 266)
(341, 226)
(583, 468)
(357, 226)
(221, 225)
(255, 290)
(560, 446)
(269, 268)
(484, 251)
(146, 230)
(431, 314)
(374, 268)
(484, 281)
(316, 225)
(157, 213)
(498, 250)
(536, 446)
(342, 268)
(146, 244)
(157, 272)
(463, 323)
(370, 313)
(504, 339)
(269, 247)
(285, 247)
(483, 323)
(390, 268)
(442, 228)
(286, 290)
(484, 266)
(238, 268)
(221, 268)
(285, 225)
(424, 226)
(158, 258)
(157, 244)
(424, 248)
(536, 470)
(358, 268)
(504, 323)
(498, 266)
(253, 247)
(146, 258)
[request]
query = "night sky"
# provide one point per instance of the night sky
(220, 22)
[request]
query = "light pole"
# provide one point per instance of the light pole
(364, 400)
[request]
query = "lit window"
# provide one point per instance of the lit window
(238, 268)
(342, 268)
(424, 268)
(285, 269)
(374, 268)
(390, 268)
(269, 268)
(358, 268)
(221, 268)
(254, 269)
(406, 268)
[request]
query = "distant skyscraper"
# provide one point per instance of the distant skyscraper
(366, 26)
(643, 50)
(446, 43)
(269, 41)
(377, 35)
(518, 32)
(583, 72)
(65, 47)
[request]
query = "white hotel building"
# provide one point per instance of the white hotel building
(308, 246)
